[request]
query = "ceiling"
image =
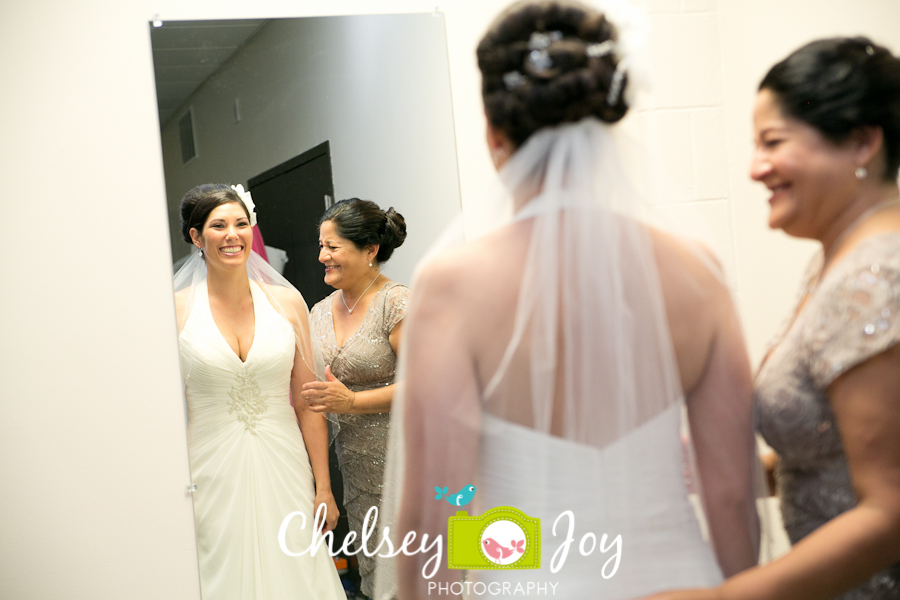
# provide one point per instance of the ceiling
(187, 53)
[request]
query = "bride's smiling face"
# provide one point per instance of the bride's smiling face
(227, 235)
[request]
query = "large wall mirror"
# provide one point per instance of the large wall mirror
(304, 112)
(360, 104)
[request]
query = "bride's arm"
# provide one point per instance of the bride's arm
(720, 411)
(313, 426)
(441, 419)
(715, 374)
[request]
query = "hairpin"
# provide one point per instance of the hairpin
(601, 49)
(513, 80)
(540, 40)
(615, 86)
(539, 61)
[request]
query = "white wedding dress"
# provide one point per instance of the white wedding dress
(625, 489)
(584, 411)
(249, 462)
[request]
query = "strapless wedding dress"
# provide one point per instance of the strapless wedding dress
(249, 462)
(635, 488)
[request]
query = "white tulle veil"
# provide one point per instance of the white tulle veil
(590, 359)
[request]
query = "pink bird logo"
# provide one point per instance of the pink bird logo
(498, 552)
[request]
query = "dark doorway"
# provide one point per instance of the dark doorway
(290, 200)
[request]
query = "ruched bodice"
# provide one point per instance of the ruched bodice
(249, 461)
(634, 488)
(227, 396)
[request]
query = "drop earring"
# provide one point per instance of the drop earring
(370, 264)
(861, 173)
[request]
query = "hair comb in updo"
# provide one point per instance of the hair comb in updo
(539, 63)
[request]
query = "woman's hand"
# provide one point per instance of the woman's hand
(329, 396)
(331, 510)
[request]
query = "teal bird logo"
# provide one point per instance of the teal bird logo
(460, 498)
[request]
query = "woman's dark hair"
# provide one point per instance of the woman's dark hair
(838, 85)
(200, 201)
(364, 223)
(563, 83)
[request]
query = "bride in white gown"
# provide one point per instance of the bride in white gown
(550, 360)
(244, 347)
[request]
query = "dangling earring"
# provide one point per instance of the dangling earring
(861, 173)
(370, 264)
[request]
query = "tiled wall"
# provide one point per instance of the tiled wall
(683, 123)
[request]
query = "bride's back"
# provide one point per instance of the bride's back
(539, 356)
(472, 295)
(485, 279)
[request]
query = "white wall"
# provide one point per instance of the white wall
(91, 437)
(376, 86)
(756, 35)
(94, 459)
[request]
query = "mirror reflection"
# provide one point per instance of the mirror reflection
(301, 113)
(375, 88)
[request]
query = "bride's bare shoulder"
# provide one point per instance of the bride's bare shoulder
(687, 268)
(287, 301)
(444, 272)
(283, 294)
(478, 267)
(698, 302)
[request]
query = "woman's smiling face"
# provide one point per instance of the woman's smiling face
(344, 263)
(227, 235)
(811, 177)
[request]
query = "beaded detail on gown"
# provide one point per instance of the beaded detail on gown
(851, 316)
(249, 462)
(365, 361)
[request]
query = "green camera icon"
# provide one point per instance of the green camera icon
(502, 538)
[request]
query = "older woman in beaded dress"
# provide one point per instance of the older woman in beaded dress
(358, 329)
(827, 123)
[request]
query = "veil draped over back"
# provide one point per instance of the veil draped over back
(590, 363)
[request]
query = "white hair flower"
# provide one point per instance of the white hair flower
(248, 202)
(632, 46)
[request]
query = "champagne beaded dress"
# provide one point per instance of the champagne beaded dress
(852, 315)
(365, 361)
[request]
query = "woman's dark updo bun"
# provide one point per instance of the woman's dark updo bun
(202, 200)
(838, 85)
(365, 224)
(575, 84)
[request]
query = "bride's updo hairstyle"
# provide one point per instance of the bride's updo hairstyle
(202, 200)
(545, 63)
(838, 85)
(364, 223)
